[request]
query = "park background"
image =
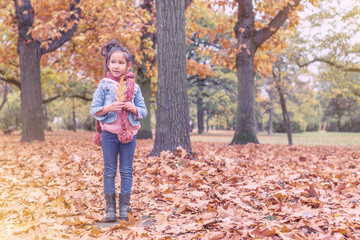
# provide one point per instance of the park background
(304, 89)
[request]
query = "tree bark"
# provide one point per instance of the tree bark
(207, 120)
(338, 123)
(172, 114)
(245, 129)
(4, 96)
(74, 115)
(249, 39)
(199, 107)
(271, 121)
(31, 97)
(286, 117)
(200, 114)
(271, 111)
(260, 124)
(145, 83)
(285, 113)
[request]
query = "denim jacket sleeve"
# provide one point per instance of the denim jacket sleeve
(139, 103)
(101, 97)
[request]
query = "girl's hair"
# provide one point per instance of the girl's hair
(112, 47)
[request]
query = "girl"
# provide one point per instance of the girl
(117, 106)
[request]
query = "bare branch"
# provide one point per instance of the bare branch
(187, 3)
(333, 64)
(356, 93)
(83, 97)
(4, 97)
(274, 25)
(52, 98)
(11, 80)
(65, 35)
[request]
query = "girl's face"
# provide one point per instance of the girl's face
(118, 64)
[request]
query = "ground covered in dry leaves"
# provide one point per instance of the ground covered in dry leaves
(53, 190)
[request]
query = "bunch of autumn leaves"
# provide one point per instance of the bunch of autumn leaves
(121, 90)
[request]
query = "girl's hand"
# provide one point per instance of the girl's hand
(129, 106)
(115, 106)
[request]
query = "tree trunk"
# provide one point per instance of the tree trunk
(271, 121)
(172, 114)
(29, 52)
(285, 113)
(145, 84)
(286, 117)
(29, 57)
(200, 113)
(338, 123)
(249, 40)
(271, 111)
(4, 96)
(228, 124)
(245, 129)
(145, 131)
(31, 98)
(260, 124)
(46, 125)
(74, 115)
(207, 120)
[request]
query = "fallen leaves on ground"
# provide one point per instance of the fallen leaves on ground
(53, 190)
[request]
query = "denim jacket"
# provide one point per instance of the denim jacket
(105, 95)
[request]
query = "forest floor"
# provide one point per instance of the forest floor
(53, 190)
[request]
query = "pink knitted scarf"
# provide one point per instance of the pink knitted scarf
(125, 136)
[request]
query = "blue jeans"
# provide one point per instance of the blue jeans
(112, 148)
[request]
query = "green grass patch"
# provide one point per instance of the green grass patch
(342, 139)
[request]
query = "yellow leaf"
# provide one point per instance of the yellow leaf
(95, 232)
(44, 44)
(25, 227)
(285, 229)
(59, 201)
(341, 230)
(76, 222)
(121, 90)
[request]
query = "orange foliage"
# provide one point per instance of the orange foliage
(103, 21)
(217, 28)
(53, 190)
(123, 20)
(100, 22)
(265, 11)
